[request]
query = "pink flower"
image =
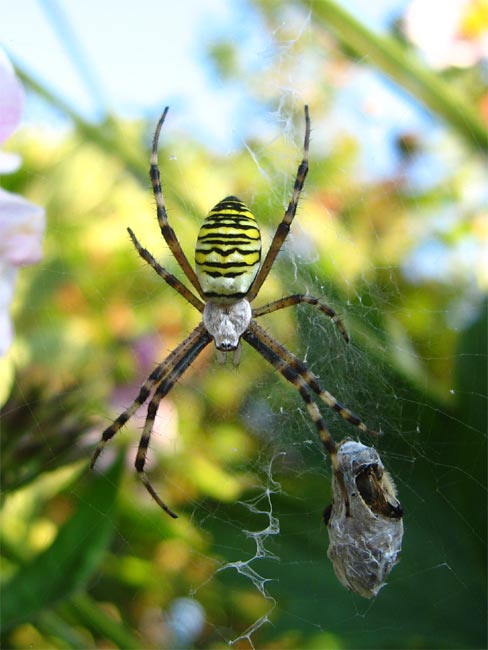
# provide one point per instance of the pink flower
(21, 222)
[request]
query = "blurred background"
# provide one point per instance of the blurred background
(392, 231)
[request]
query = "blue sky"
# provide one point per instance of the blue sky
(134, 57)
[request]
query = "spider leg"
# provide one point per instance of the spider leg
(284, 226)
(161, 391)
(297, 299)
(257, 335)
(163, 273)
(291, 375)
(166, 230)
(158, 374)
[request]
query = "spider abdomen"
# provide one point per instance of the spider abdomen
(228, 250)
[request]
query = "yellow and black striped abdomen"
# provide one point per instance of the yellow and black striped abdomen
(228, 250)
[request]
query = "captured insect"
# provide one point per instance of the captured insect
(228, 276)
(364, 521)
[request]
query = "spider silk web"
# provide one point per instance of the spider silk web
(266, 544)
(433, 480)
(252, 531)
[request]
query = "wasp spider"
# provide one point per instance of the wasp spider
(227, 278)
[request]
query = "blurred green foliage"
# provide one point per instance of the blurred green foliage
(79, 569)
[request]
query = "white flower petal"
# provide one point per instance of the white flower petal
(8, 276)
(6, 332)
(9, 162)
(21, 230)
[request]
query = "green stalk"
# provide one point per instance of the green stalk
(405, 69)
(89, 614)
(106, 135)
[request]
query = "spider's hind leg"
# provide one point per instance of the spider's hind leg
(144, 444)
(290, 374)
(258, 337)
(126, 415)
(177, 362)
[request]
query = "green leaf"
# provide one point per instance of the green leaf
(65, 566)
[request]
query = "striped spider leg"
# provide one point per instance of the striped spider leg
(227, 277)
(303, 379)
(161, 381)
(284, 226)
(166, 230)
(297, 299)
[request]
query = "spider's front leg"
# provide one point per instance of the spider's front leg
(285, 224)
(166, 229)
